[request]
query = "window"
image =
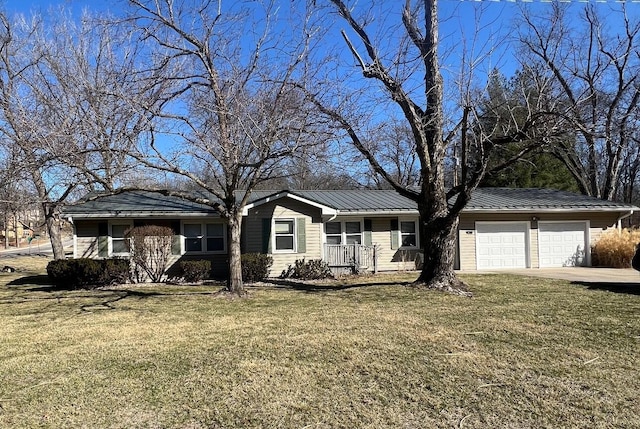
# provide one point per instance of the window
(334, 232)
(408, 236)
(192, 237)
(213, 239)
(119, 244)
(285, 237)
(343, 232)
(353, 232)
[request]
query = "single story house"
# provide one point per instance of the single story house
(364, 229)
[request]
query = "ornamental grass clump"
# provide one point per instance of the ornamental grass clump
(615, 248)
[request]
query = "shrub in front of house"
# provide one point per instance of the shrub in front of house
(313, 269)
(85, 273)
(150, 250)
(255, 267)
(615, 248)
(195, 271)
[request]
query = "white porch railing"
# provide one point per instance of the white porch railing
(358, 257)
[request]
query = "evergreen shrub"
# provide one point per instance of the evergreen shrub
(195, 271)
(86, 273)
(255, 267)
(313, 269)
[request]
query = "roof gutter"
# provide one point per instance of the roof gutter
(623, 216)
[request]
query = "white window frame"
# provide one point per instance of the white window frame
(294, 235)
(417, 233)
(203, 237)
(126, 223)
(343, 230)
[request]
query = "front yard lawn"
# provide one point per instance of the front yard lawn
(367, 353)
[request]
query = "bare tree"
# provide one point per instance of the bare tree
(61, 109)
(233, 115)
(592, 71)
(411, 80)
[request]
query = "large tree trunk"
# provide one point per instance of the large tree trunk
(52, 221)
(234, 281)
(438, 237)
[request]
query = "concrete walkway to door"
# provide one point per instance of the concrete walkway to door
(578, 274)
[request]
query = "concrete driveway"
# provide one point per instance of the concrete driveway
(580, 274)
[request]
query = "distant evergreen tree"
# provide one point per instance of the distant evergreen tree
(504, 111)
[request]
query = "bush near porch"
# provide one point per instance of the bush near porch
(360, 352)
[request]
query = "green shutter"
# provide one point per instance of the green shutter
(301, 233)
(395, 234)
(366, 236)
(266, 235)
(175, 244)
(103, 246)
(103, 239)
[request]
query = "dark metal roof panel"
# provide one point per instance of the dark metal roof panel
(138, 202)
(141, 203)
(504, 199)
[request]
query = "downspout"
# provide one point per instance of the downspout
(619, 223)
(75, 238)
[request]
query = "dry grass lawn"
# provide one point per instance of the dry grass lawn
(365, 353)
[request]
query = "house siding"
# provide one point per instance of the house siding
(86, 237)
(285, 208)
(389, 259)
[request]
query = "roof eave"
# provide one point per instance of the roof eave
(550, 210)
(326, 210)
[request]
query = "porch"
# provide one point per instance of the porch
(351, 258)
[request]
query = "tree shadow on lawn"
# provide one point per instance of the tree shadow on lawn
(310, 287)
(103, 298)
(627, 288)
(40, 280)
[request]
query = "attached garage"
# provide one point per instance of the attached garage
(502, 245)
(562, 244)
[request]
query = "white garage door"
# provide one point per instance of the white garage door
(562, 244)
(501, 245)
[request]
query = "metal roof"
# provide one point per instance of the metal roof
(137, 203)
(370, 202)
(535, 199)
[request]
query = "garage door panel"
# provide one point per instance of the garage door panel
(501, 245)
(562, 243)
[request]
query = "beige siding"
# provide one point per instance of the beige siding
(391, 259)
(467, 248)
(86, 245)
(467, 235)
(285, 208)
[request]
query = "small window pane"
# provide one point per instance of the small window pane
(352, 227)
(284, 242)
(284, 227)
(119, 246)
(334, 239)
(354, 239)
(117, 231)
(408, 227)
(193, 244)
(409, 240)
(215, 244)
(192, 229)
(333, 228)
(215, 230)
